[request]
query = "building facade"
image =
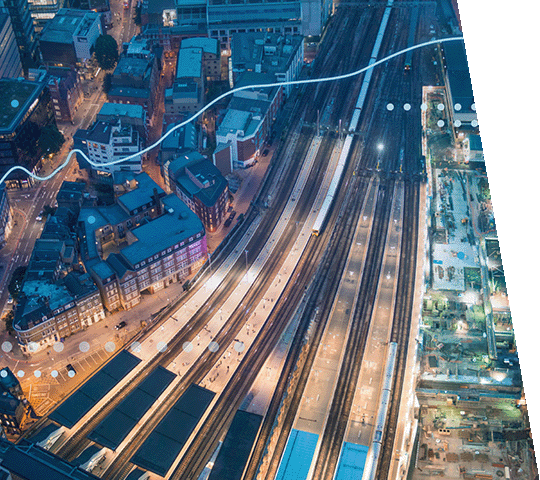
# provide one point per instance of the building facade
(5, 216)
(43, 10)
(151, 260)
(111, 141)
(66, 93)
(10, 60)
(69, 38)
(211, 55)
(200, 185)
(23, 26)
(279, 55)
(28, 108)
(246, 124)
(61, 307)
(135, 79)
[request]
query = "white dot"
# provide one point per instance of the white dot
(407, 107)
(423, 107)
(135, 347)
(20, 373)
(3, 373)
(33, 347)
(37, 373)
(390, 107)
(14, 103)
(474, 123)
(58, 347)
(473, 107)
(213, 346)
(457, 107)
(7, 346)
(71, 373)
(440, 107)
(187, 346)
(239, 346)
(457, 123)
(54, 373)
(84, 346)
(161, 346)
(110, 346)
(440, 123)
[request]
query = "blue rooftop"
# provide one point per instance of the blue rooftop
(178, 224)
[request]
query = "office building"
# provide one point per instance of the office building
(6, 219)
(27, 108)
(246, 123)
(186, 96)
(10, 60)
(200, 185)
(68, 39)
(43, 10)
(279, 55)
(146, 241)
(110, 141)
(23, 26)
(211, 55)
(135, 78)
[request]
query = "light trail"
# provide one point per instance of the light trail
(222, 96)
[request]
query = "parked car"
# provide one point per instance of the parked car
(120, 325)
(70, 368)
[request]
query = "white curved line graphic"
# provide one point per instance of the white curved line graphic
(230, 92)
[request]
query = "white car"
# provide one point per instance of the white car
(39, 218)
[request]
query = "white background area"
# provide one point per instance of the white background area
(502, 42)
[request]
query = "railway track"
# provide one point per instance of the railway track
(224, 338)
(402, 321)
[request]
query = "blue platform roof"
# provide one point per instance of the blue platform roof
(298, 455)
(71, 410)
(351, 462)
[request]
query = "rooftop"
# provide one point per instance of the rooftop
(132, 66)
(123, 110)
(142, 195)
(129, 92)
(189, 63)
(16, 97)
(205, 173)
(263, 51)
(32, 462)
(100, 132)
(179, 222)
(66, 23)
(208, 45)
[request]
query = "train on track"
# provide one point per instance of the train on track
(327, 202)
(384, 404)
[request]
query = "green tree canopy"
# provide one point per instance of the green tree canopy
(50, 140)
(106, 51)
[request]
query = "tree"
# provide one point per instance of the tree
(15, 284)
(106, 51)
(50, 140)
(8, 319)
